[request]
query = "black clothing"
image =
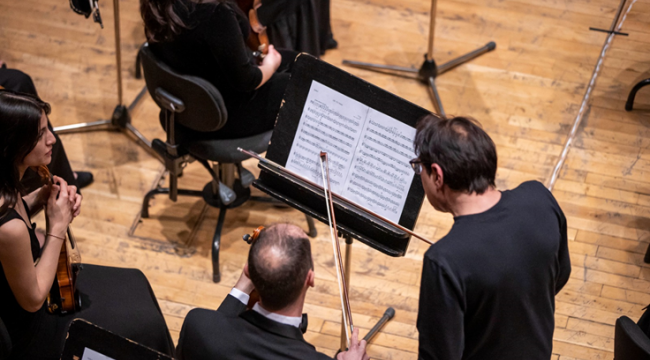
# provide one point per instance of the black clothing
(19, 322)
(303, 28)
(232, 332)
(119, 300)
(488, 287)
(213, 47)
(16, 80)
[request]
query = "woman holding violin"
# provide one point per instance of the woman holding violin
(208, 39)
(119, 300)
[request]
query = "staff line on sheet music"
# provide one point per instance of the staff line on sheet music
(328, 126)
(390, 130)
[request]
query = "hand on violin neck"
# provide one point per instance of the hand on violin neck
(59, 208)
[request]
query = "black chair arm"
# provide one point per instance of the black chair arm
(169, 101)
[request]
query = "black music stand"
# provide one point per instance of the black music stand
(86, 340)
(121, 118)
(428, 72)
(309, 199)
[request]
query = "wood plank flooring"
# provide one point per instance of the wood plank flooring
(526, 94)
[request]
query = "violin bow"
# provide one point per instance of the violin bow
(284, 170)
(336, 247)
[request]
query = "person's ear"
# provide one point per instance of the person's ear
(310, 278)
(438, 176)
(246, 271)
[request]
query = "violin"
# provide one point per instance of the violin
(63, 297)
(258, 40)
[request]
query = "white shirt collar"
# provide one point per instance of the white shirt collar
(287, 320)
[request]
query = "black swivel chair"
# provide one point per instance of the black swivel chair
(196, 104)
(630, 342)
(632, 95)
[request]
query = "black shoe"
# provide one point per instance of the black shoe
(331, 43)
(84, 178)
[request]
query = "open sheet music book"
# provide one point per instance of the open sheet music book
(368, 135)
(368, 151)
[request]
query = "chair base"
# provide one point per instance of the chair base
(635, 89)
(212, 199)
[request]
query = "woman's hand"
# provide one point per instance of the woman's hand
(59, 208)
(269, 65)
(273, 59)
(76, 200)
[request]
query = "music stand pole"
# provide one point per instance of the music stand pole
(428, 72)
(121, 118)
(388, 314)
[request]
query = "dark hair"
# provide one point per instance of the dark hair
(462, 149)
(20, 118)
(161, 22)
(279, 275)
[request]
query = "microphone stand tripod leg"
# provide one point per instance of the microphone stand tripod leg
(435, 96)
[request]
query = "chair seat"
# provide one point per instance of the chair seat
(225, 151)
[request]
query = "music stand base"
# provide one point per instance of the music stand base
(120, 121)
(428, 72)
(388, 314)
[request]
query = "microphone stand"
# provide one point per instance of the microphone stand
(121, 118)
(429, 70)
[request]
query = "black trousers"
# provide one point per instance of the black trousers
(17, 80)
(119, 300)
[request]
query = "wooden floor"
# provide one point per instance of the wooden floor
(526, 94)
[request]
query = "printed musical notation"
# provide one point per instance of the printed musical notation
(369, 151)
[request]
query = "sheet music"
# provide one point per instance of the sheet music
(368, 151)
(90, 354)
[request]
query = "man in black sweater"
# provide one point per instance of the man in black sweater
(280, 268)
(488, 287)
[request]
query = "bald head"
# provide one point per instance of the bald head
(278, 264)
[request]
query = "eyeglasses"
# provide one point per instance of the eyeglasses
(416, 165)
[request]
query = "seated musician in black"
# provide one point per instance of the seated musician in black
(207, 39)
(119, 300)
(488, 286)
(280, 269)
(16, 80)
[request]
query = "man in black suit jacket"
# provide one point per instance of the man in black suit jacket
(280, 268)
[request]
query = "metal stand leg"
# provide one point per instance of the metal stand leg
(121, 119)
(436, 97)
(216, 245)
(388, 314)
(144, 213)
(635, 89)
(312, 228)
(429, 71)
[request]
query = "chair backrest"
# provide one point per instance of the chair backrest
(204, 107)
(630, 342)
(5, 342)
